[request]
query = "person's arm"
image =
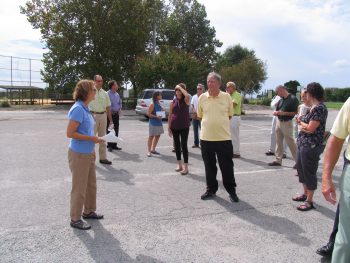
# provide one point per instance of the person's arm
(150, 112)
(185, 93)
(309, 127)
(331, 156)
(169, 118)
(109, 115)
(72, 133)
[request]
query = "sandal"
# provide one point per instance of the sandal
(155, 152)
(306, 206)
(184, 172)
(80, 224)
(92, 215)
(149, 154)
(299, 198)
(178, 169)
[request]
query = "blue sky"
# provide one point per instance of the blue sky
(299, 40)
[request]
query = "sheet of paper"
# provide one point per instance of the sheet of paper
(110, 137)
(161, 114)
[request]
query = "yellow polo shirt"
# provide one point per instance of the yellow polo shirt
(237, 98)
(215, 113)
(341, 125)
(101, 101)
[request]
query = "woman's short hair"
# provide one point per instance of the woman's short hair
(155, 95)
(82, 89)
(111, 83)
(315, 90)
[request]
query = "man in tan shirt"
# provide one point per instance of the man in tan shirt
(215, 110)
(99, 107)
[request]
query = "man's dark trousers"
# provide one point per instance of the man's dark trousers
(196, 124)
(115, 119)
(223, 150)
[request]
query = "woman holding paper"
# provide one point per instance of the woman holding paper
(179, 125)
(81, 156)
(155, 114)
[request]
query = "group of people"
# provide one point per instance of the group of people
(217, 114)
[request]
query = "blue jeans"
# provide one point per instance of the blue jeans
(196, 124)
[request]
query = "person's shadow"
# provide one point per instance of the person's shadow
(280, 225)
(111, 174)
(104, 247)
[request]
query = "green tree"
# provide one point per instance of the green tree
(168, 68)
(292, 86)
(241, 65)
(84, 38)
(188, 28)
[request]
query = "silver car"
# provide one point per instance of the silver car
(145, 99)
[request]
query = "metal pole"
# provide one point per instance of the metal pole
(11, 72)
(30, 72)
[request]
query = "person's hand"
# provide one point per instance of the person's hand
(111, 126)
(328, 191)
(159, 117)
(94, 154)
(96, 139)
(275, 113)
(170, 133)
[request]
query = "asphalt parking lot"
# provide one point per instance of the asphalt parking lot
(152, 214)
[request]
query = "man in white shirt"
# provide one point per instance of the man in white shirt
(195, 121)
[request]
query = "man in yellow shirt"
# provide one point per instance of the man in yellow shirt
(215, 109)
(99, 107)
(235, 121)
(340, 130)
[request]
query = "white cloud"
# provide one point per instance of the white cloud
(342, 63)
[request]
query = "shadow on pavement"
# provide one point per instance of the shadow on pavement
(125, 156)
(110, 174)
(277, 224)
(104, 247)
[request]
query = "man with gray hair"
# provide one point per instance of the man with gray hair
(286, 109)
(215, 109)
(235, 121)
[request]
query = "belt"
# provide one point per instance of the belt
(236, 115)
(284, 120)
(115, 112)
(94, 112)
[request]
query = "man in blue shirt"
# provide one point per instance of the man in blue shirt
(116, 106)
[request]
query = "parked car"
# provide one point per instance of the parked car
(145, 99)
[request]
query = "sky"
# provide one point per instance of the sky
(299, 40)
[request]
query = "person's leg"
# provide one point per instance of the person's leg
(149, 143)
(273, 135)
(341, 252)
(184, 138)
(288, 136)
(176, 138)
(101, 131)
(195, 124)
(235, 123)
(279, 141)
(209, 159)
(335, 226)
(115, 118)
(154, 143)
(91, 189)
(224, 152)
(79, 166)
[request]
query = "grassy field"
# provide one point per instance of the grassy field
(334, 105)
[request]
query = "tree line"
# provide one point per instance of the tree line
(151, 43)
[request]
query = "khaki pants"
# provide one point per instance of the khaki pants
(83, 194)
(284, 130)
(100, 130)
(235, 123)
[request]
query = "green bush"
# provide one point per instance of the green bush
(245, 101)
(5, 104)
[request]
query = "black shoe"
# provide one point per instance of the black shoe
(207, 195)
(295, 166)
(110, 149)
(269, 153)
(105, 162)
(284, 156)
(234, 198)
(326, 250)
(236, 156)
(117, 148)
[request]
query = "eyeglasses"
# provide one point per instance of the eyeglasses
(199, 88)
